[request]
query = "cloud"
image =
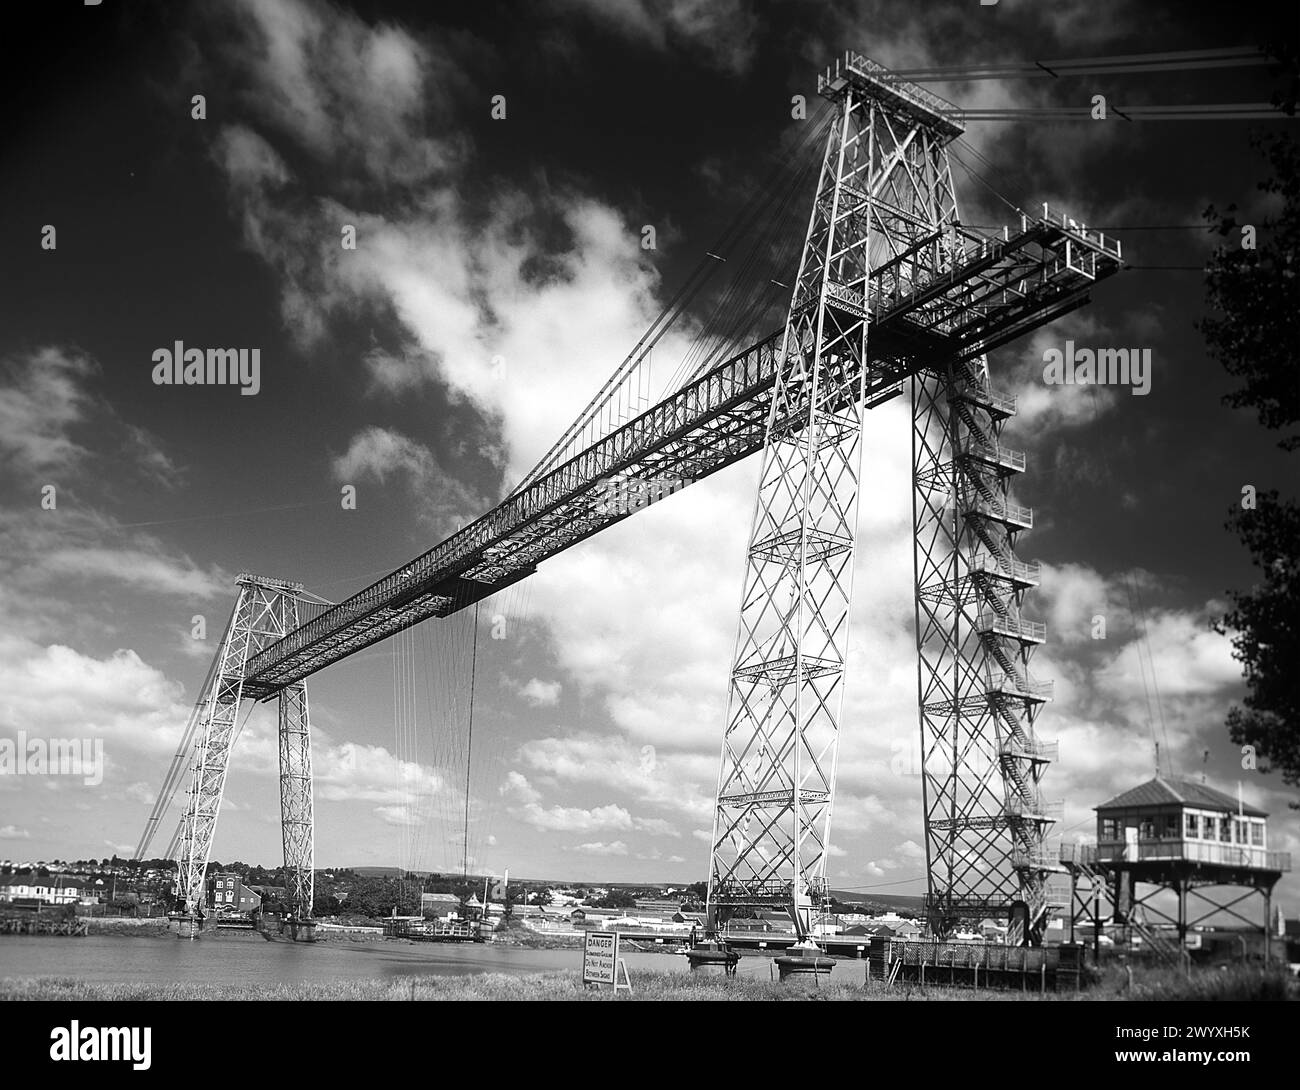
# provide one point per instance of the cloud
(440, 499)
(137, 568)
(541, 694)
(616, 847)
(722, 33)
(13, 832)
(573, 819)
(45, 397)
(51, 691)
(564, 819)
(352, 93)
(656, 826)
(41, 398)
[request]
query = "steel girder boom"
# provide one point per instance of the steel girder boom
(995, 289)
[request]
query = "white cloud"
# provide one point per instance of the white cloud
(13, 832)
(354, 94)
(597, 847)
(376, 454)
(43, 397)
(541, 694)
(137, 568)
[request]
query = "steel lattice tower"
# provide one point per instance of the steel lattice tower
(883, 185)
(264, 612)
(985, 817)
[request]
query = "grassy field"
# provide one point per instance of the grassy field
(1240, 984)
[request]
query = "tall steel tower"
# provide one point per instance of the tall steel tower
(985, 817)
(884, 244)
(265, 610)
(884, 184)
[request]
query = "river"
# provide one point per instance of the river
(161, 960)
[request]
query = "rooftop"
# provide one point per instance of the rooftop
(1163, 792)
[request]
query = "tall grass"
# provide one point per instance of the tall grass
(1204, 985)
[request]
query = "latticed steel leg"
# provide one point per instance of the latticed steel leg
(296, 799)
(212, 753)
(265, 610)
(982, 763)
(777, 774)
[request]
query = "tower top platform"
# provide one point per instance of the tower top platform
(880, 83)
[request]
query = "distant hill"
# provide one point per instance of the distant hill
(897, 901)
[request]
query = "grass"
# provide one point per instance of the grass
(1208, 985)
(1236, 984)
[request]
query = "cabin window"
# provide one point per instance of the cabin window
(1257, 833)
(1238, 831)
(1192, 826)
(1225, 831)
(1147, 829)
(1110, 829)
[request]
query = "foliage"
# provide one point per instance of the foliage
(1254, 332)
(615, 898)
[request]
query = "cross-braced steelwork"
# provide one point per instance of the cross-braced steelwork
(881, 181)
(982, 762)
(265, 610)
(296, 825)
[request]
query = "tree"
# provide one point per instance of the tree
(616, 898)
(1252, 286)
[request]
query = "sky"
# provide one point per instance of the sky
(499, 277)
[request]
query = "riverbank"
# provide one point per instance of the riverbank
(157, 927)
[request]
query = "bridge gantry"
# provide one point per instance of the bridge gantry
(893, 295)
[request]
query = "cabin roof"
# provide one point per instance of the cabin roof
(1164, 792)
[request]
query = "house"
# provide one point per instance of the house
(1169, 819)
(55, 890)
(227, 893)
(438, 905)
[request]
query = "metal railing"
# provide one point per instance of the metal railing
(1044, 855)
(1028, 571)
(997, 454)
(1048, 751)
(1005, 512)
(1054, 809)
(1009, 626)
(1196, 851)
(999, 681)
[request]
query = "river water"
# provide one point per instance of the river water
(245, 959)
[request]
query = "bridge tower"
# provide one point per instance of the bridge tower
(264, 612)
(884, 228)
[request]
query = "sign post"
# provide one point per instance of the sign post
(601, 963)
